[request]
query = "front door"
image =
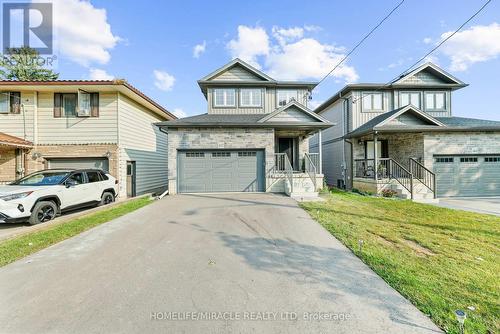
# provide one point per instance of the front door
(382, 150)
(286, 145)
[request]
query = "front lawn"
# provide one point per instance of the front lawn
(439, 259)
(19, 247)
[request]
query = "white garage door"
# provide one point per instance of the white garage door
(467, 175)
(79, 163)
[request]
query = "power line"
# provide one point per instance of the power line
(361, 42)
(428, 53)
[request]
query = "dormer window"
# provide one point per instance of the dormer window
(286, 95)
(412, 98)
(224, 97)
(373, 101)
(250, 97)
(435, 101)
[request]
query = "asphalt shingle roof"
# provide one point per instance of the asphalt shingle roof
(215, 119)
(467, 122)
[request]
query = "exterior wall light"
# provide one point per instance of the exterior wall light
(36, 155)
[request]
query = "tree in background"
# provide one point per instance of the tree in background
(25, 64)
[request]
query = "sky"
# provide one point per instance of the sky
(164, 47)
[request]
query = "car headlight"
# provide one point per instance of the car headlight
(15, 196)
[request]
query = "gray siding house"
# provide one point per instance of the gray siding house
(404, 137)
(254, 137)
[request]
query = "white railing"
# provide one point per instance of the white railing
(289, 172)
(310, 168)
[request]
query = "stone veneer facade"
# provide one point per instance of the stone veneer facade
(7, 164)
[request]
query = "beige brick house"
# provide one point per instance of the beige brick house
(83, 124)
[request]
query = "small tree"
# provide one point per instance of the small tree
(25, 64)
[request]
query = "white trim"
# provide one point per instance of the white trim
(251, 97)
(224, 97)
(414, 109)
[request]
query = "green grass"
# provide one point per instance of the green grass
(439, 259)
(19, 247)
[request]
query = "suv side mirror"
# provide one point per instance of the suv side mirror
(69, 183)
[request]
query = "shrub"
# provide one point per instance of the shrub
(389, 193)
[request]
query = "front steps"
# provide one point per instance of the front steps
(421, 193)
(303, 187)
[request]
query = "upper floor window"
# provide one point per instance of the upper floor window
(406, 98)
(81, 104)
(250, 97)
(286, 95)
(10, 102)
(435, 101)
(224, 97)
(373, 101)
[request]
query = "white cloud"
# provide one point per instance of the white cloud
(98, 74)
(290, 54)
(477, 44)
(163, 80)
(307, 58)
(179, 113)
(427, 40)
(82, 32)
(251, 43)
(199, 49)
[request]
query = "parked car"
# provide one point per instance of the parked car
(41, 196)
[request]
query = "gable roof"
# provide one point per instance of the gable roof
(233, 63)
(120, 85)
(384, 119)
(448, 82)
(297, 105)
(434, 70)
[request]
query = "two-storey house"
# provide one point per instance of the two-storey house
(83, 124)
(254, 137)
(403, 136)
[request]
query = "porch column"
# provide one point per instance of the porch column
(320, 147)
(375, 156)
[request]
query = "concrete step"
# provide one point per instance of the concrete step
(304, 196)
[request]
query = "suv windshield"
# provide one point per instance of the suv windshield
(45, 178)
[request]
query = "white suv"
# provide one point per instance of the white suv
(41, 196)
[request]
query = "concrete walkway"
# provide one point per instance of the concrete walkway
(257, 257)
(488, 205)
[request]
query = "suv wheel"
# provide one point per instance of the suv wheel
(43, 211)
(107, 198)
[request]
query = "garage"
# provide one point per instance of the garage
(467, 175)
(220, 171)
(79, 163)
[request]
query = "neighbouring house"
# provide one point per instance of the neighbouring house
(83, 124)
(404, 137)
(254, 137)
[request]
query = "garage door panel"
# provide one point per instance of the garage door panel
(221, 171)
(467, 176)
(79, 163)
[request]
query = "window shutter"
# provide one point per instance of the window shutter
(15, 102)
(57, 104)
(94, 104)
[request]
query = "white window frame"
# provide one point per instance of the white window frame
(6, 103)
(63, 107)
(369, 96)
(225, 104)
(290, 94)
(434, 93)
(254, 92)
(83, 104)
(409, 93)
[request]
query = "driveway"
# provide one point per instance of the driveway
(258, 257)
(489, 205)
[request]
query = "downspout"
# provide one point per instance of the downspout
(351, 163)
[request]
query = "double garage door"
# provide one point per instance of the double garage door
(220, 171)
(79, 163)
(467, 175)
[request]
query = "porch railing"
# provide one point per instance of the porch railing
(310, 168)
(387, 168)
(424, 175)
(315, 160)
(282, 164)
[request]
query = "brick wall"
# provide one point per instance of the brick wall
(7, 164)
(72, 151)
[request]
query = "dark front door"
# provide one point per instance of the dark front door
(286, 145)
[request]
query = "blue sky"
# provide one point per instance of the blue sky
(133, 39)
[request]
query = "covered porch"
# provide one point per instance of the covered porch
(13, 157)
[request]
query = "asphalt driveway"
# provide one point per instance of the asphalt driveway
(259, 258)
(488, 205)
